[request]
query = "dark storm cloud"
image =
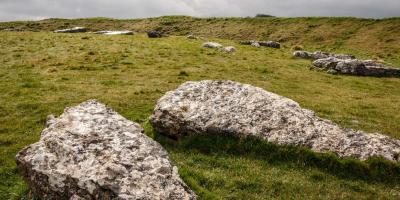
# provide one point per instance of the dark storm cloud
(39, 9)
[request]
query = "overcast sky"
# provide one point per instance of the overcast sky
(40, 9)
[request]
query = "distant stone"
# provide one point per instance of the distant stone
(155, 34)
(115, 32)
(326, 63)
(302, 54)
(213, 45)
(231, 108)
(92, 152)
(320, 55)
(255, 44)
(356, 67)
(72, 30)
(271, 44)
(229, 49)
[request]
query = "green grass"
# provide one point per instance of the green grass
(42, 73)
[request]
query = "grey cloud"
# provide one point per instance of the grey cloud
(39, 9)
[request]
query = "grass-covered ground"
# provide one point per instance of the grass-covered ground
(41, 73)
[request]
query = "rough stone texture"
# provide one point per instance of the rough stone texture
(115, 32)
(155, 34)
(229, 49)
(271, 44)
(320, 55)
(356, 67)
(227, 107)
(255, 44)
(302, 54)
(92, 152)
(72, 30)
(213, 45)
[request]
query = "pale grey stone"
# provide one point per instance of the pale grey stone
(115, 32)
(92, 152)
(231, 108)
(271, 44)
(356, 67)
(302, 54)
(229, 49)
(213, 45)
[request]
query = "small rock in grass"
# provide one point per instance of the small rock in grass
(229, 49)
(115, 32)
(214, 45)
(255, 44)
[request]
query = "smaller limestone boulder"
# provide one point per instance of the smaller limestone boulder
(229, 49)
(255, 44)
(271, 44)
(72, 30)
(320, 55)
(92, 152)
(356, 67)
(213, 45)
(302, 54)
(115, 32)
(231, 108)
(326, 63)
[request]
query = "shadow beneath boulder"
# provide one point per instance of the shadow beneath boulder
(372, 170)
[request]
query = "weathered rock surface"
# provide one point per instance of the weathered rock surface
(115, 32)
(302, 54)
(320, 55)
(226, 107)
(155, 34)
(229, 49)
(92, 152)
(213, 45)
(255, 44)
(72, 30)
(356, 67)
(271, 44)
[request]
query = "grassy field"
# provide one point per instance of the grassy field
(41, 73)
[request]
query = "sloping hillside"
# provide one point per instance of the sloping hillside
(379, 36)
